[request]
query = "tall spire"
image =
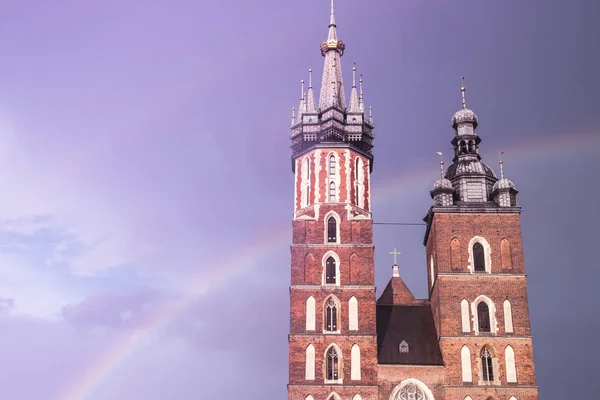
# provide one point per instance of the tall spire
(332, 85)
(302, 107)
(354, 102)
(501, 166)
(361, 100)
(311, 107)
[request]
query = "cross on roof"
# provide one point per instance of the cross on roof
(395, 253)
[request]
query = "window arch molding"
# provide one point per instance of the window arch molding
(338, 220)
(340, 366)
(337, 268)
(492, 313)
(333, 396)
(335, 316)
(487, 254)
(414, 382)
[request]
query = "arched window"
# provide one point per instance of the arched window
(411, 392)
(483, 317)
(332, 361)
(310, 314)
(330, 271)
(355, 363)
(411, 389)
(331, 315)
(356, 185)
(332, 166)
(306, 188)
(332, 191)
(464, 315)
(479, 257)
(506, 254)
(456, 258)
(357, 397)
(511, 369)
(508, 322)
(331, 230)
(431, 272)
(353, 314)
(465, 360)
(310, 363)
(487, 368)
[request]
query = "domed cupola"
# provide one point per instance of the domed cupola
(471, 178)
(443, 191)
(504, 191)
(464, 116)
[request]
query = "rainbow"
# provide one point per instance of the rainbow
(101, 369)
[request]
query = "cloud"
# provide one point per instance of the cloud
(114, 309)
(6, 304)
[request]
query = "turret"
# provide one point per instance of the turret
(471, 178)
(504, 192)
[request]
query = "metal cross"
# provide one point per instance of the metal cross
(395, 253)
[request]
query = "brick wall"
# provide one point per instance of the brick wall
(448, 243)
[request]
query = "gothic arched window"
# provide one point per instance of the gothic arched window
(411, 392)
(330, 271)
(333, 365)
(306, 179)
(331, 315)
(332, 191)
(331, 230)
(483, 317)
(332, 165)
(487, 369)
(479, 257)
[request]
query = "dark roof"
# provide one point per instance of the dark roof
(396, 292)
(410, 323)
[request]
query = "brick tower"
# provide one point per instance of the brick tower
(477, 280)
(332, 341)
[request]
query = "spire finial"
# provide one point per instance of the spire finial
(302, 90)
(332, 19)
(441, 164)
(293, 115)
(462, 90)
(371, 113)
(310, 76)
(501, 166)
(354, 75)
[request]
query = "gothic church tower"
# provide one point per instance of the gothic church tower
(471, 339)
(477, 280)
(332, 341)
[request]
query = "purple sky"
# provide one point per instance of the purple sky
(146, 187)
